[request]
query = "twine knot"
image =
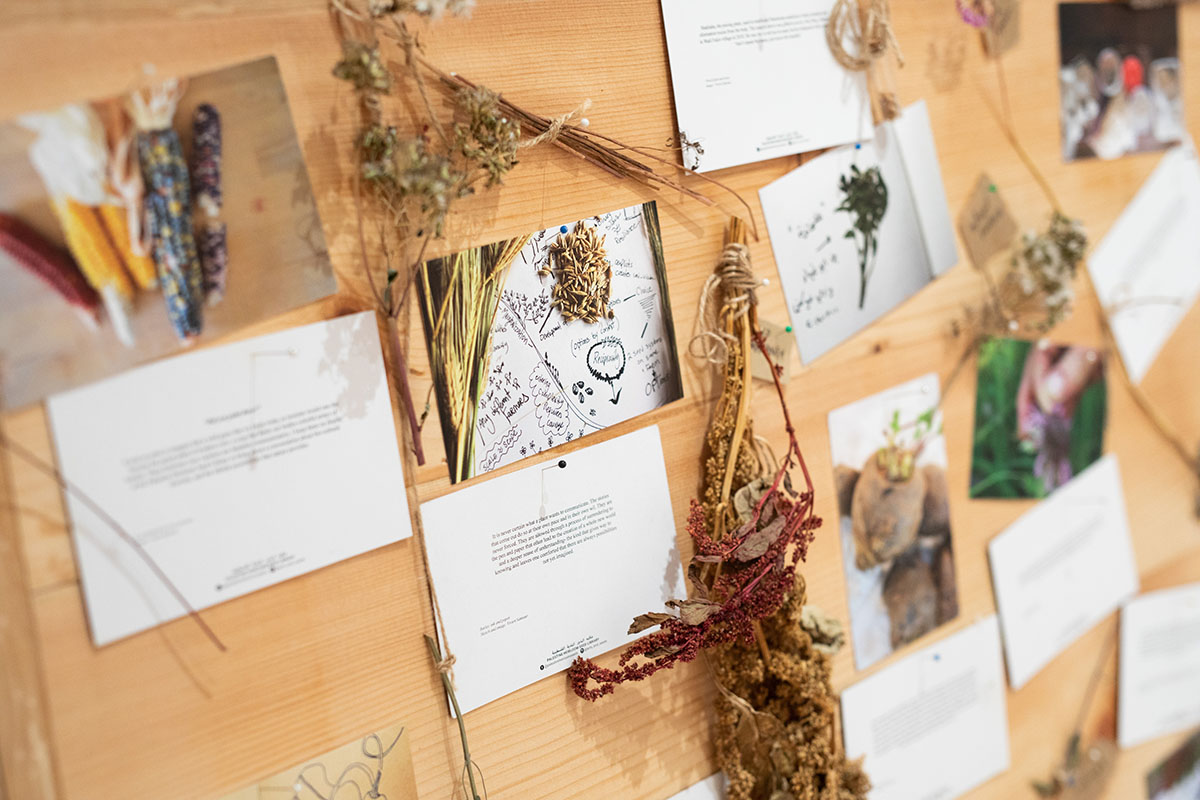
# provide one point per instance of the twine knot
(446, 664)
(869, 29)
(737, 285)
(555, 129)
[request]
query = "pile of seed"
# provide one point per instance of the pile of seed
(582, 275)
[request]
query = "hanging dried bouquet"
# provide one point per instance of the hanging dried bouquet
(776, 711)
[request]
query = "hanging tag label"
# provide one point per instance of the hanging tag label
(1004, 29)
(780, 343)
(985, 224)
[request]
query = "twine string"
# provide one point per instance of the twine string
(734, 278)
(557, 125)
(869, 29)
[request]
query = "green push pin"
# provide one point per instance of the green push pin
(992, 188)
(788, 329)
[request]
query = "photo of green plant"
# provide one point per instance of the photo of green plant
(1040, 411)
(865, 196)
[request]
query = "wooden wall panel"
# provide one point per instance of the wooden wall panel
(317, 660)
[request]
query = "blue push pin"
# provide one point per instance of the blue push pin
(858, 145)
(562, 229)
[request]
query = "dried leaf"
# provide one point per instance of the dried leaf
(826, 631)
(747, 497)
(659, 652)
(694, 612)
(760, 541)
(698, 585)
(649, 620)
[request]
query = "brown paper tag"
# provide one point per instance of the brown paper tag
(1004, 28)
(985, 224)
(780, 343)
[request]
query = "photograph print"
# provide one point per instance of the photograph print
(889, 457)
(1119, 80)
(541, 339)
(1040, 411)
(142, 223)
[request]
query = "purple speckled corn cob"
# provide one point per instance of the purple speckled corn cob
(214, 259)
(206, 158)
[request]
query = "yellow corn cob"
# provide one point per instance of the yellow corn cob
(140, 268)
(99, 261)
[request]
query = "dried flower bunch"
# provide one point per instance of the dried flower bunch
(582, 275)
(976, 13)
(413, 180)
(739, 578)
(1044, 265)
(776, 736)
(775, 715)
(776, 711)
(1036, 291)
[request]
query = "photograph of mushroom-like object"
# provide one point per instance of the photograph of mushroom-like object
(890, 475)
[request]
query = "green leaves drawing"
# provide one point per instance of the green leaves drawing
(865, 196)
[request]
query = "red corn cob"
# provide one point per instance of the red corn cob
(41, 257)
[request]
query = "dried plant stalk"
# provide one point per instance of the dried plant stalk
(776, 712)
(459, 298)
(746, 557)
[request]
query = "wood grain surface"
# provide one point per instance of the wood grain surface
(317, 661)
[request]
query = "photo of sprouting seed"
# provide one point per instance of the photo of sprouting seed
(1040, 411)
(541, 339)
(889, 459)
(159, 217)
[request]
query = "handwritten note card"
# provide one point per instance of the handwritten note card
(858, 230)
(551, 562)
(552, 380)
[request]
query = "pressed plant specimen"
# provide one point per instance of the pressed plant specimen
(865, 197)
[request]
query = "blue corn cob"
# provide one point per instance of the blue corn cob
(168, 213)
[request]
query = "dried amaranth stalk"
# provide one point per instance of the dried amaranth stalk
(776, 712)
(865, 197)
(776, 733)
(582, 275)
